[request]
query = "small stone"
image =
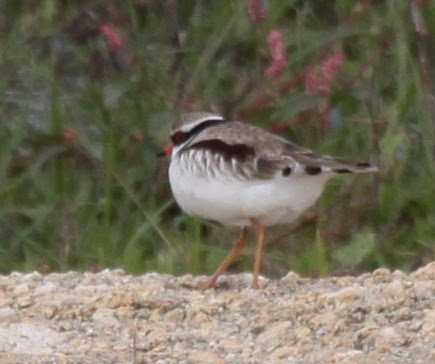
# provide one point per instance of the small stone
(388, 337)
(44, 289)
(303, 334)
(105, 317)
(429, 321)
(21, 289)
(381, 275)
(349, 357)
(273, 333)
(425, 291)
(426, 273)
(345, 295)
(7, 314)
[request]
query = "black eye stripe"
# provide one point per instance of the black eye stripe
(180, 136)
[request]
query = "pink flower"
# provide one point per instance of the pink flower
(316, 84)
(112, 36)
(277, 53)
(321, 82)
(256, 10)
(332, 65)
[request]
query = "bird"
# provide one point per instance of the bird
(238, 174)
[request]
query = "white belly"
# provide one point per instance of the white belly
(234, 202)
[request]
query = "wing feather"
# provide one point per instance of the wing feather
(253, 153)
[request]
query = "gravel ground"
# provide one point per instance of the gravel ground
(111, 317)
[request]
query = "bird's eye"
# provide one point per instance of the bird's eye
(178, 138)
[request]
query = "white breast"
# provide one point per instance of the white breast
(222, 197)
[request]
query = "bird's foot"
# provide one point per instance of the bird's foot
(202, 286)
(255, 284)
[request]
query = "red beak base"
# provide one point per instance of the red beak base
(166, 151)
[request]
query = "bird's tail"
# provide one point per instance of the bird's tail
(341, 165)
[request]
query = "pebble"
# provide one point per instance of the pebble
(110, 316)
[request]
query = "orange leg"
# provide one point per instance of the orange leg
(226, 263)
(259, 232)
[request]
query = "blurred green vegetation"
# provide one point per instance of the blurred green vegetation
(82, 120)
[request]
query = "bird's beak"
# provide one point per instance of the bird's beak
(166, 151)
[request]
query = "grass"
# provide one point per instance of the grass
(82, 122)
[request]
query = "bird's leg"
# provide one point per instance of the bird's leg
(226, 263)
(259, 233)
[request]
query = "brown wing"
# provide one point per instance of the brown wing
(258, 154)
